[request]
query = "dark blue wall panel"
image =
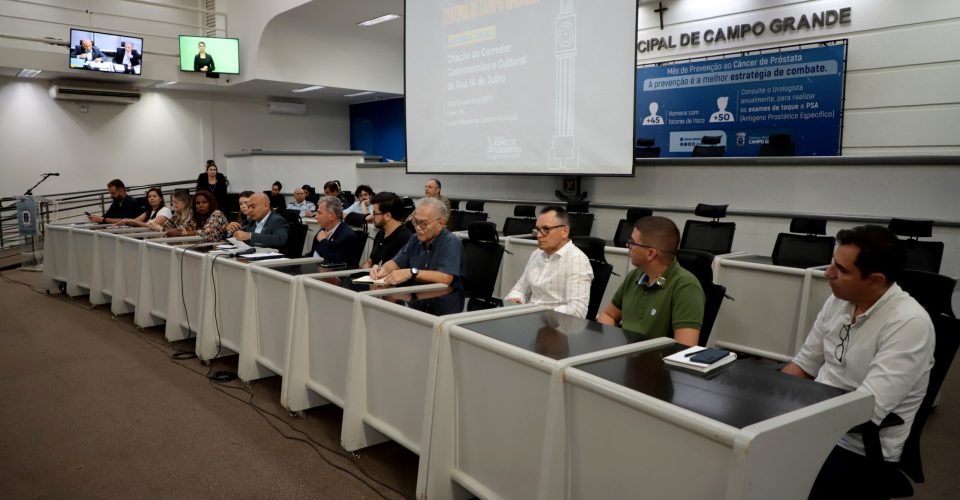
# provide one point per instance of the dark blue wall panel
(378, 128)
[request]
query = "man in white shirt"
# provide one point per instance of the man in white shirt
(870, 336)
(300, 203)
(558, 273)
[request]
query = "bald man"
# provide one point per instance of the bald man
(264, 227)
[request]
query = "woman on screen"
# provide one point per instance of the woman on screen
(215, 182)
(203, 61)
(155, 217)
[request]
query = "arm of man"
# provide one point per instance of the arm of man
(687, 313)
(520, 292)
(613, 314)
(807, 362)
(275, 233)
(795, 370)
(577, 291)
(904, 355)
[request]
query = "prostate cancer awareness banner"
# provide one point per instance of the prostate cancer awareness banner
(745, 99)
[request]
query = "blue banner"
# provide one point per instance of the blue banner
(745, 100)
(26, 216)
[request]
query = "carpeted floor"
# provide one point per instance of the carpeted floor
(92, 408)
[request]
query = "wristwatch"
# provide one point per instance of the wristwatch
(413, 273)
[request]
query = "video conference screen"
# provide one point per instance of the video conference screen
(106, 52)
(205, 54)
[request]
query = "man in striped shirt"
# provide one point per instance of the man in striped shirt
(558, 273)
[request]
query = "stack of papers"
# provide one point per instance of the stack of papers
(368, 279)
(684, 359)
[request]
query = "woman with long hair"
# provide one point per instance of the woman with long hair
(157, 213)
(241, 220)
(213, 181)
(182, 220)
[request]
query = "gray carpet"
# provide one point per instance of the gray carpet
(91, 408)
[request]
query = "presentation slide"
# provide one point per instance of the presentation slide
(220, 55)
(520, 86)
(745, 100)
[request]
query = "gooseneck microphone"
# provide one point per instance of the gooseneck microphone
(53, 173)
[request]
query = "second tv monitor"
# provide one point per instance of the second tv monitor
(210, 55)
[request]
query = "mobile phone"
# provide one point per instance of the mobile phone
(709, 356)
(88, 214)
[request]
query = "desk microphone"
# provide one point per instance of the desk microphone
(57, 174)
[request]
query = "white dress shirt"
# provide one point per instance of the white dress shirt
(303, 207)
(562, 279)
(888, 353)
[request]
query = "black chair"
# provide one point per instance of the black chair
(933, 291)
(700, 264)
(232, 206)
(462, 219)
(922, 255)
(808, 249)
(357, 220)
(892, 476)
(778, 145)
(483, 252)
(581, 220)
(523, 221)
(710, 236)
(593, 248)
(454, 204)
(277, 202)
(646, 149)
(291, 214)
(709, 147)
(625, 226)
(296, 236)
(356, 251)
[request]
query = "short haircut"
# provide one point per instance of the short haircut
(332, 186)
(436, 205)
(279, 186)
(116, 184)
(880, 250)
(390, 203)
(333, 204)
(159, 193)
(559, 212)
(245, 194)
(660, 233)
(364, 187)
(439, 186)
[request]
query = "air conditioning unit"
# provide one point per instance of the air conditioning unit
(286, 108)
(96, 94)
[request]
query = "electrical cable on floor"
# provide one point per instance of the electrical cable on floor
(181, 355)
(315, 445)
(221, 375)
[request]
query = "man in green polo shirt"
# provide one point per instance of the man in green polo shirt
(658, 298)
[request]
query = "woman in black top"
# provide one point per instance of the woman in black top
(213, 182)
(203, 61)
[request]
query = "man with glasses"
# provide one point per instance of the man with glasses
(658, 298)
(870, 336)
(264, 227)
(336, 240)
(557, 273)
(435, 255)
(388, 213)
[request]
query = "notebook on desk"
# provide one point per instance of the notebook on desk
(700, 359)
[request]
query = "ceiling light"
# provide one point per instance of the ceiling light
(162, 84)
(28, 73)
(358, 94)
(378, 20)
(308, 89)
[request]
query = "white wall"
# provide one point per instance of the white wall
(164, 137)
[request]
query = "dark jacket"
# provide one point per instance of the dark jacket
(338, 247)
(274, 233)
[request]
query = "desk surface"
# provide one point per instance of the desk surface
(554, 335)
(298, 269)
(436, 302)
(347, 281)
(754, 259)
(743, 393)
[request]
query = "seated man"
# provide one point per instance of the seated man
(264, 227)
(388, 216)
(128, 57)
(658, 298)
(870, 336)
(558, 273)
(300, 203)
(435, 255)
(87, 51)
(123, 206)
(336, 240)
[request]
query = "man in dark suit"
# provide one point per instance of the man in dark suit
(87, 51)
(336, 242)
(264, 227)
(128, 57)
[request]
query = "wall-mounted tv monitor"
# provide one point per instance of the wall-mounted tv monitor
(106, 52)
(206, 54)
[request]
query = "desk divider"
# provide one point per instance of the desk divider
(126, 272)
(146, 313)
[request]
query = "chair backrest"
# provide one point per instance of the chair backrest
(291, 214)
(578, 207)
(456, 220)
(356, 219)
(808, 225)
(580, 224)
(636, 213)
(933, 291)
(947, 330)
(709, 236)
(709, 151)
(296, 235)
(700, 264)
(454, 204)
(354, 254)
(593, 248)
(646, 152)
(526, 211)
(923, 255)
(483, 253)
(802, 250)
(911, 228)
(475, 205)
(624, 231)
(778, 145)
(513, 226)
(468, 218)
(232, 203)
(715, 212)
(601, 276)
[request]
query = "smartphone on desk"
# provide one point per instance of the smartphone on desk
(709, 356)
